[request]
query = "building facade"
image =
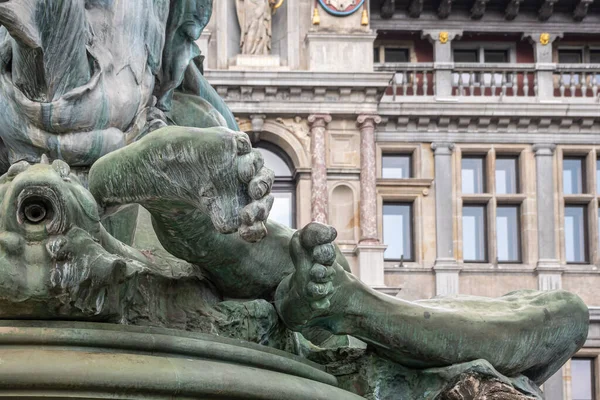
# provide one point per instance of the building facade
(453, 144)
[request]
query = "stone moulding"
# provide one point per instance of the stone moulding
(125, 362)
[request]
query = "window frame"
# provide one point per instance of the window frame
(586, 234)
(380, 47)
(584, 175)
(517, 159)
(283, 184)
(412, 232)
(484, 170)
(384, 154)
(509, 47)
(592, 360)
(486, 243)
(519, 259)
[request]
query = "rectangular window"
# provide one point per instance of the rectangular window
(570, 56)
(582, 379)
(495, 56)
(573, 175)
(466, 56)
(474, 233)
(398, 231)
(575, 234)
(508, 233)
(595, 56)
(395, 55)
(506, 175)
(396, 166)
(473, 173)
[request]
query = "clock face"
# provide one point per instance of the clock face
(341, 7)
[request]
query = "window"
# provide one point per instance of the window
(466, 56)
(396, 166)
(573, 175)
(576, 234)
(473, 172)
(390, 54)
(582, 379)
(570, 56)
(284, 187)
(595, 56)
(506, 175)
(495, 56)
(474, 233)
(398, 231)
(508, 233)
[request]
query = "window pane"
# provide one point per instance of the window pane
(396, 166)
(573, 175)
(594, 56)
(495, 56)
(582, 379)
(506, 175)
(508, 234)
(274, 162)
(575, 234)
(474, 240)
(397, 231)
(570, 56)
(282, 211)
(466, 56)
(376, 55)
(396, 55)
(472, 175)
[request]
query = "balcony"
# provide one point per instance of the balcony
(502, 82)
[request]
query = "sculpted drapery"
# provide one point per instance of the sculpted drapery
(255, 18)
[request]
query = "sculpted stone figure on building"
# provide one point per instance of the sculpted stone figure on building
(255, 18)
(137, 112)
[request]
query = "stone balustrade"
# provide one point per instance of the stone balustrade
(495, 82)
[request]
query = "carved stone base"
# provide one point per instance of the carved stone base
(473, 387)
(259, 62)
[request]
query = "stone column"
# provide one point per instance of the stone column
(446, 268)
(544, 65)
(370, 251)
(548, 267)
(319, 195)
(442, 57)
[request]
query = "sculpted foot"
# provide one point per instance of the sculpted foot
(316, 291)
(186, 170)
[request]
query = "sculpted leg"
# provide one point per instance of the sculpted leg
(530, 333)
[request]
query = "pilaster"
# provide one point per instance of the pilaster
(542, 49)
(446, 267)
(370, 251)
(319, 194)
(442, 57)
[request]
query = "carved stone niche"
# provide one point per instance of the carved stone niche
(473, 387)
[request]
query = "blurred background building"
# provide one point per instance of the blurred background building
(452, 143)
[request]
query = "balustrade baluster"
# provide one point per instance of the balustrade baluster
(595, 77)
(515, 83)
(504, 83)
(526, 84)
(535, 84)
(493, 84)
(415, 84)
(584, 84)
(433, 82)
(561, 88)
(405, 76)
(425, 83)
(460, 84)
(572, 86)
(394, 86)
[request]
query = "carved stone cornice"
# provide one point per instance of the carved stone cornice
(512, 9)
(388, 7)
(444, 9)
(415, 8)
(546, 10)
(478, 9)
(581, 9)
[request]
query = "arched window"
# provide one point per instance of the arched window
(284, 188)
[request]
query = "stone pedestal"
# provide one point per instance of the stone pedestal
(41, 359)
(370, 264)
(333, 52)
(256, 62)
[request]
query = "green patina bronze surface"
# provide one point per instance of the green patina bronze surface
(156, 134)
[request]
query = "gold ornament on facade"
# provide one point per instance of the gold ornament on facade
(545, 38)
(276, 4)
(444, 37)
(316, 19)
(365, 17)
